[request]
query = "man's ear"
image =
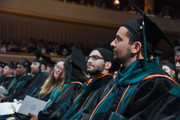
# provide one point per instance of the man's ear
(43, 67)
(136, 47)
(108, 65)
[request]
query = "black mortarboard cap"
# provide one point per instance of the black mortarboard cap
(153, 33)
(12, 65)
(50, 63)
(41, 59)
(2, 64)
(106, 54)
(25, 63)
(78, 59)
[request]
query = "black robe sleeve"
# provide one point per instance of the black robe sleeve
(167, 107)
(146, 93)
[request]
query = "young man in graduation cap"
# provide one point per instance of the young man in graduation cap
(99, 63)
(18, 85)
(140, 81)
(75, 67)
(38, 67)
(2, 65)
(7, 75)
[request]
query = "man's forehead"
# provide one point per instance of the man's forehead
(61, 63)
(6, 66)
(95, 52)
(122, 32)
(35, 63)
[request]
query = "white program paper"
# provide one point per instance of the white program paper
(31, 105)
(9, 108)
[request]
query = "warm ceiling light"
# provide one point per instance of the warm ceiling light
(116, 2)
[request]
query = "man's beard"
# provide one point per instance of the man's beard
(124, 59)
(96, 71)
(34, 72)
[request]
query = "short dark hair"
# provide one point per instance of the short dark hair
(132, 39)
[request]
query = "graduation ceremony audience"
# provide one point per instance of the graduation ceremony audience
(116, 81)
(75, 75)
(17, 87)
(7, 76)
(54, 82)
(170, 69)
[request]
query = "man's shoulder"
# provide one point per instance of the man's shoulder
(41, 74)
(158, 78)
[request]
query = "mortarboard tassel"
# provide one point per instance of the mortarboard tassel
(144, 40)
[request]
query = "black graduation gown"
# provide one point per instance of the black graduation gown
(167, 107)
(71, 89)
(19, 93)
(91, 96)
(17, 89)
(141, 98)
(94, 99)
(35, 86)
(7, 81)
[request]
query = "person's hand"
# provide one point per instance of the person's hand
(3, 87)
(33, 117)
(20, 101)
(1, 95)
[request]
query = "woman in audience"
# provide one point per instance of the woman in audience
(74, 71)
(54, 82)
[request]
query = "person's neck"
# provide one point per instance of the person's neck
(133, 59)
(6, 76)
(95, 77)
(22, 75)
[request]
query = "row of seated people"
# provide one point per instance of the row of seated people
(32, 46)
(71, 92)
(88, 89)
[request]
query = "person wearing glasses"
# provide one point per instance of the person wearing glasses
(99, 63)
(74, 74)
(54, 82)
(140, 81)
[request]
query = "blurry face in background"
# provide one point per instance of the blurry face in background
(168, 70)
(177, 64)
(21, 70)
(35, 68)
(7, 71)
(48, 70)
(58, 70)
(1, 69)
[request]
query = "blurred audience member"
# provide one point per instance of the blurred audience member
(170, 69)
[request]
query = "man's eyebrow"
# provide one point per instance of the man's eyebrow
(117, 36)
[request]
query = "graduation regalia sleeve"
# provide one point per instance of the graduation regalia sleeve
(166, 107)
(70, 90)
